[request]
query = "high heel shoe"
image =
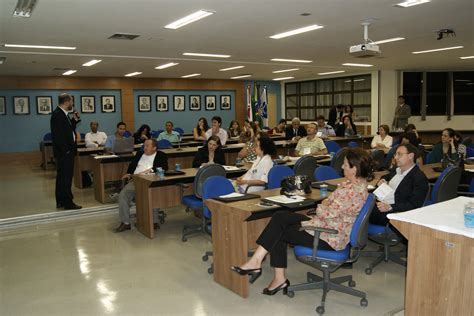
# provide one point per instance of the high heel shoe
(253, 273)
(283, 286)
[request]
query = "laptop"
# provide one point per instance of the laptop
(123, 146)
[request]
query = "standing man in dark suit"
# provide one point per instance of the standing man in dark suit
(335, 115)
(63, 132)
(409, 183)
(295, 131)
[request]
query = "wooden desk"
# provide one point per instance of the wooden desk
(47, 156)
(108, 169)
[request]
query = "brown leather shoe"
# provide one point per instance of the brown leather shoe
(123, 227)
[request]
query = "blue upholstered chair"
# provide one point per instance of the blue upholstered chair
(164, 143)
(338, 160)
(446, 186)
(378, 156)
(332, 146)
(429, 157)
(306, 166)
(47, 137)
(194, 201)
(352, 144)
(323, 173)
(329, 261)
(389, 157)
(127, 134)
(469, 152)
(214, 186)
(155, 134)
(179, 130)
(275, 175)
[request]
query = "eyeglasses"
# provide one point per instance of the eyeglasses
(400, 154)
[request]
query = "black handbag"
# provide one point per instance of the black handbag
(295, 185)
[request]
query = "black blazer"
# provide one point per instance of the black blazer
(334, 115)
(161, 160)
(289, 133)
(411, 192)
(202, 156)
(62, 129)
(341, 130)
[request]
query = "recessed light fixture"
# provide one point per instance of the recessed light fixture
(285, 70)
(357, 65)
(297, 31)
(193, 17)
(242, 76)
(136, 73)
(283, 78)
(437, 50)
(92, 62)
(395, 39)
(191, 75)
(166, 65)
(410, 3)
(39, 46)
(206, 55)
(69, 72)
(231, 68)
(292, 60)
(467, 57)
(331, 72)
(357, 80)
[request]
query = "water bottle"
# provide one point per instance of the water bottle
(332, 154)
(160, 173)
(469, 215)
(177, 167)
(238, 162)
(323, 190)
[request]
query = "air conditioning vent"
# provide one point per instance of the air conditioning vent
(123, 36)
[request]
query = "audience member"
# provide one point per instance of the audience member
(210, 153)
(348, 110)
(249, 137)
(448, 147)
(335, 115)
(169, 134)
(143, 133)
(402, 113)
(234, 129)
(95, 138)
(326, 130)
(311, 144)
(411, 128)
(217, 130)
(347, 128)
(199, 132)
(119, 134)
(279, 130)
(382, 140)
(295, 131)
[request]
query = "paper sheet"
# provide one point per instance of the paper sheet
(285, 199)
(231, 195)
(385, 193)
(231, 168)
(105, 156)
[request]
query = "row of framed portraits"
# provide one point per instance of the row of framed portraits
(179, 103)
(44, 104)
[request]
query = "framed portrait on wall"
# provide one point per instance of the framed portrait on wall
(21, 105)
(144, 103)
(195, 102)
(88, 104)
(178, 103)
(210, 102)
(108, 103)
(225, 102)
(3, 106)
(162, 103)
(44, 105)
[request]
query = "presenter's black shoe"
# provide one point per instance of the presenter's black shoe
(59, 205)
(123, 227)
(284, 286)
(253, 273)
(72, 206)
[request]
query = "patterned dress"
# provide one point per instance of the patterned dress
(339, 212)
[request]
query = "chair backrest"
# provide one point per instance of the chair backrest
(215, 186)
(305, 166)
(155, 134)
(83, 136)
(352, 144)
(164, 143)
(378, 156)
(469, 152)
(204, 173)
(471, 186)
(323, 173)
(332, 146)
(179, 130)
(359, 232)
(47, 137)
(276, 174)
(446, 186)
(338, 160)
(127, 134)
(429, 157)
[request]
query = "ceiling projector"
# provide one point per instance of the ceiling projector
(368, 48)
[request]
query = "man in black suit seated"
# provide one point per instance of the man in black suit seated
(295, 131)
(63, 132)
(335, 116)
(409, 183)
(144, 162)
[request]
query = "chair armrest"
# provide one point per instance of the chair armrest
(319, 229)
(255, 185)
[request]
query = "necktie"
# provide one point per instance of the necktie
(296, 132)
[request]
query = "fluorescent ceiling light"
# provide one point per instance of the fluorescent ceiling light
(133, 74)
(242, 76)
(297, 31)
(92, 62)
(39, 46)
(231, 68)
(166, 65)
(191, 75)
(193, 17)
(357, 65)
(283, 78)
(285, 70)
(331, 72)
(437, 50)
(410, 3)
(206, 55)
(467, 57)
(389, 40)
(355, 80)
(292, 60)
(69, 72)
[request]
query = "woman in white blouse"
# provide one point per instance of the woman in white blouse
(382, 141)
(257, 175)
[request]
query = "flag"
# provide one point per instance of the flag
(249, 105)
(254, 101)
(262, 110)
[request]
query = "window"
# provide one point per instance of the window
(412, 82)
(308, 99)
(436, 93)
(463, 89)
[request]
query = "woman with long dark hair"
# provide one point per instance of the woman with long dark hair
(448, 147)
(142, 134)
(199, 132)
(347, 128)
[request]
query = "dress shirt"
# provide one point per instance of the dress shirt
(394, 183)
(145, 163)
(94, 140)
(222, 134)
(307, 146)
(327, 130)
(258, 171)
(171, 137)
(387, 141)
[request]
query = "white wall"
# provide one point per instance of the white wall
(389, 91)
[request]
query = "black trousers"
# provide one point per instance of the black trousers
(283, 229)
(64, 173)
(378, 218)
